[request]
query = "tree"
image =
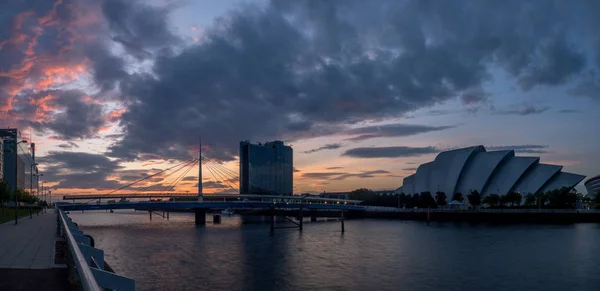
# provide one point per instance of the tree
(426, 200)
(562, 198)
(458, 197)
(4, 193)
(362, 194)
(492, 200)
(440, 198)
(514, 198)
(530, 200)
(474, 198)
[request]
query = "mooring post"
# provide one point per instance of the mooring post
(167, 215)
(301, 217)
(342, 218)
(163, 214)
(272, 219)
(428, 216)
(313, 215)
(149, 211)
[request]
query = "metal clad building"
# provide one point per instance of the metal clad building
(495, 172)
(266, 169)
(592, 185)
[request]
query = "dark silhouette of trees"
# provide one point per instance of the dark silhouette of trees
(514, 198)
(440, 198)
(562, 198)
(362, 194)
(426, 200)
(458, 197)
(492, 200)
(4, 193)
(530, 200)
(474, 198)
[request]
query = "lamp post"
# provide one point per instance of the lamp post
(16, 170)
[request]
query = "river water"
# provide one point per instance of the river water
(370, 255)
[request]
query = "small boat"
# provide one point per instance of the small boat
(227, 211)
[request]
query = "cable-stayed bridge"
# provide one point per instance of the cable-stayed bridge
(156, 192)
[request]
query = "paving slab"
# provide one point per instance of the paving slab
(31, 240)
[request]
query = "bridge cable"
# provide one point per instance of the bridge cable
(234, 179)
(158, 182)
(147, 177)
(218, 169)
(178, 179)
(232, 173)
(209, 167)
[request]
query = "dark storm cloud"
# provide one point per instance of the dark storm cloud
(389, 152)
(331, 146)
(363, 175)
(522, 110)
(392, 130)
(306, 65)
(79, 170)
(79, 119)
(343, 176)
(322, 175)
(138, 26)
(528, 148)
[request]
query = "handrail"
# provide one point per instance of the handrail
(88, 282)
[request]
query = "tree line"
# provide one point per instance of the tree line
(563, 198)
(7, 194)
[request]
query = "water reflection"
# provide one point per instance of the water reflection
(384, 255)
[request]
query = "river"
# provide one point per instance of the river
(370, 255)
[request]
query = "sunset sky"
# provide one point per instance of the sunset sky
(364, 91)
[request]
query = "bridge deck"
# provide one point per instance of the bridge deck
(165, 205)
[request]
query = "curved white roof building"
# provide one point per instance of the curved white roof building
(592, 185)
(495, 172)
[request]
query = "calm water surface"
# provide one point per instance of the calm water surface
(371, 255)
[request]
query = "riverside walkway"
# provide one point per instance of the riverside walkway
(27, 252)
(29, 244)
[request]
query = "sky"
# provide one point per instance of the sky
(365, 91)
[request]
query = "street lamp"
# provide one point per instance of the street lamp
(16, 170)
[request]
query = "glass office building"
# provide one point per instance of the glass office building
(23, 173)
(266, 168)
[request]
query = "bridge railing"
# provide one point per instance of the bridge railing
(484, 210)
(89, 261)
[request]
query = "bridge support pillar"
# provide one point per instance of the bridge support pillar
(313, 215)
(200, 215)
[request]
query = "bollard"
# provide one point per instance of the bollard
(342, 218)
(150, 214)
(167, 215)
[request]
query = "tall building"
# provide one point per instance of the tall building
(266, 168)
(18, 165)
(494, 172)
(1, 159)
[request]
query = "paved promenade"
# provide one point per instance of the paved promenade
(29, 244)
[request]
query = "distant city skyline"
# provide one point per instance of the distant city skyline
(114, 90)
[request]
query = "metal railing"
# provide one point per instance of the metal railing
(485, 210)
(89, 261)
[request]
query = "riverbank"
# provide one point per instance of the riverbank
(487, 216)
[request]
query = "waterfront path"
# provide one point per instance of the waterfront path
(30, 243)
